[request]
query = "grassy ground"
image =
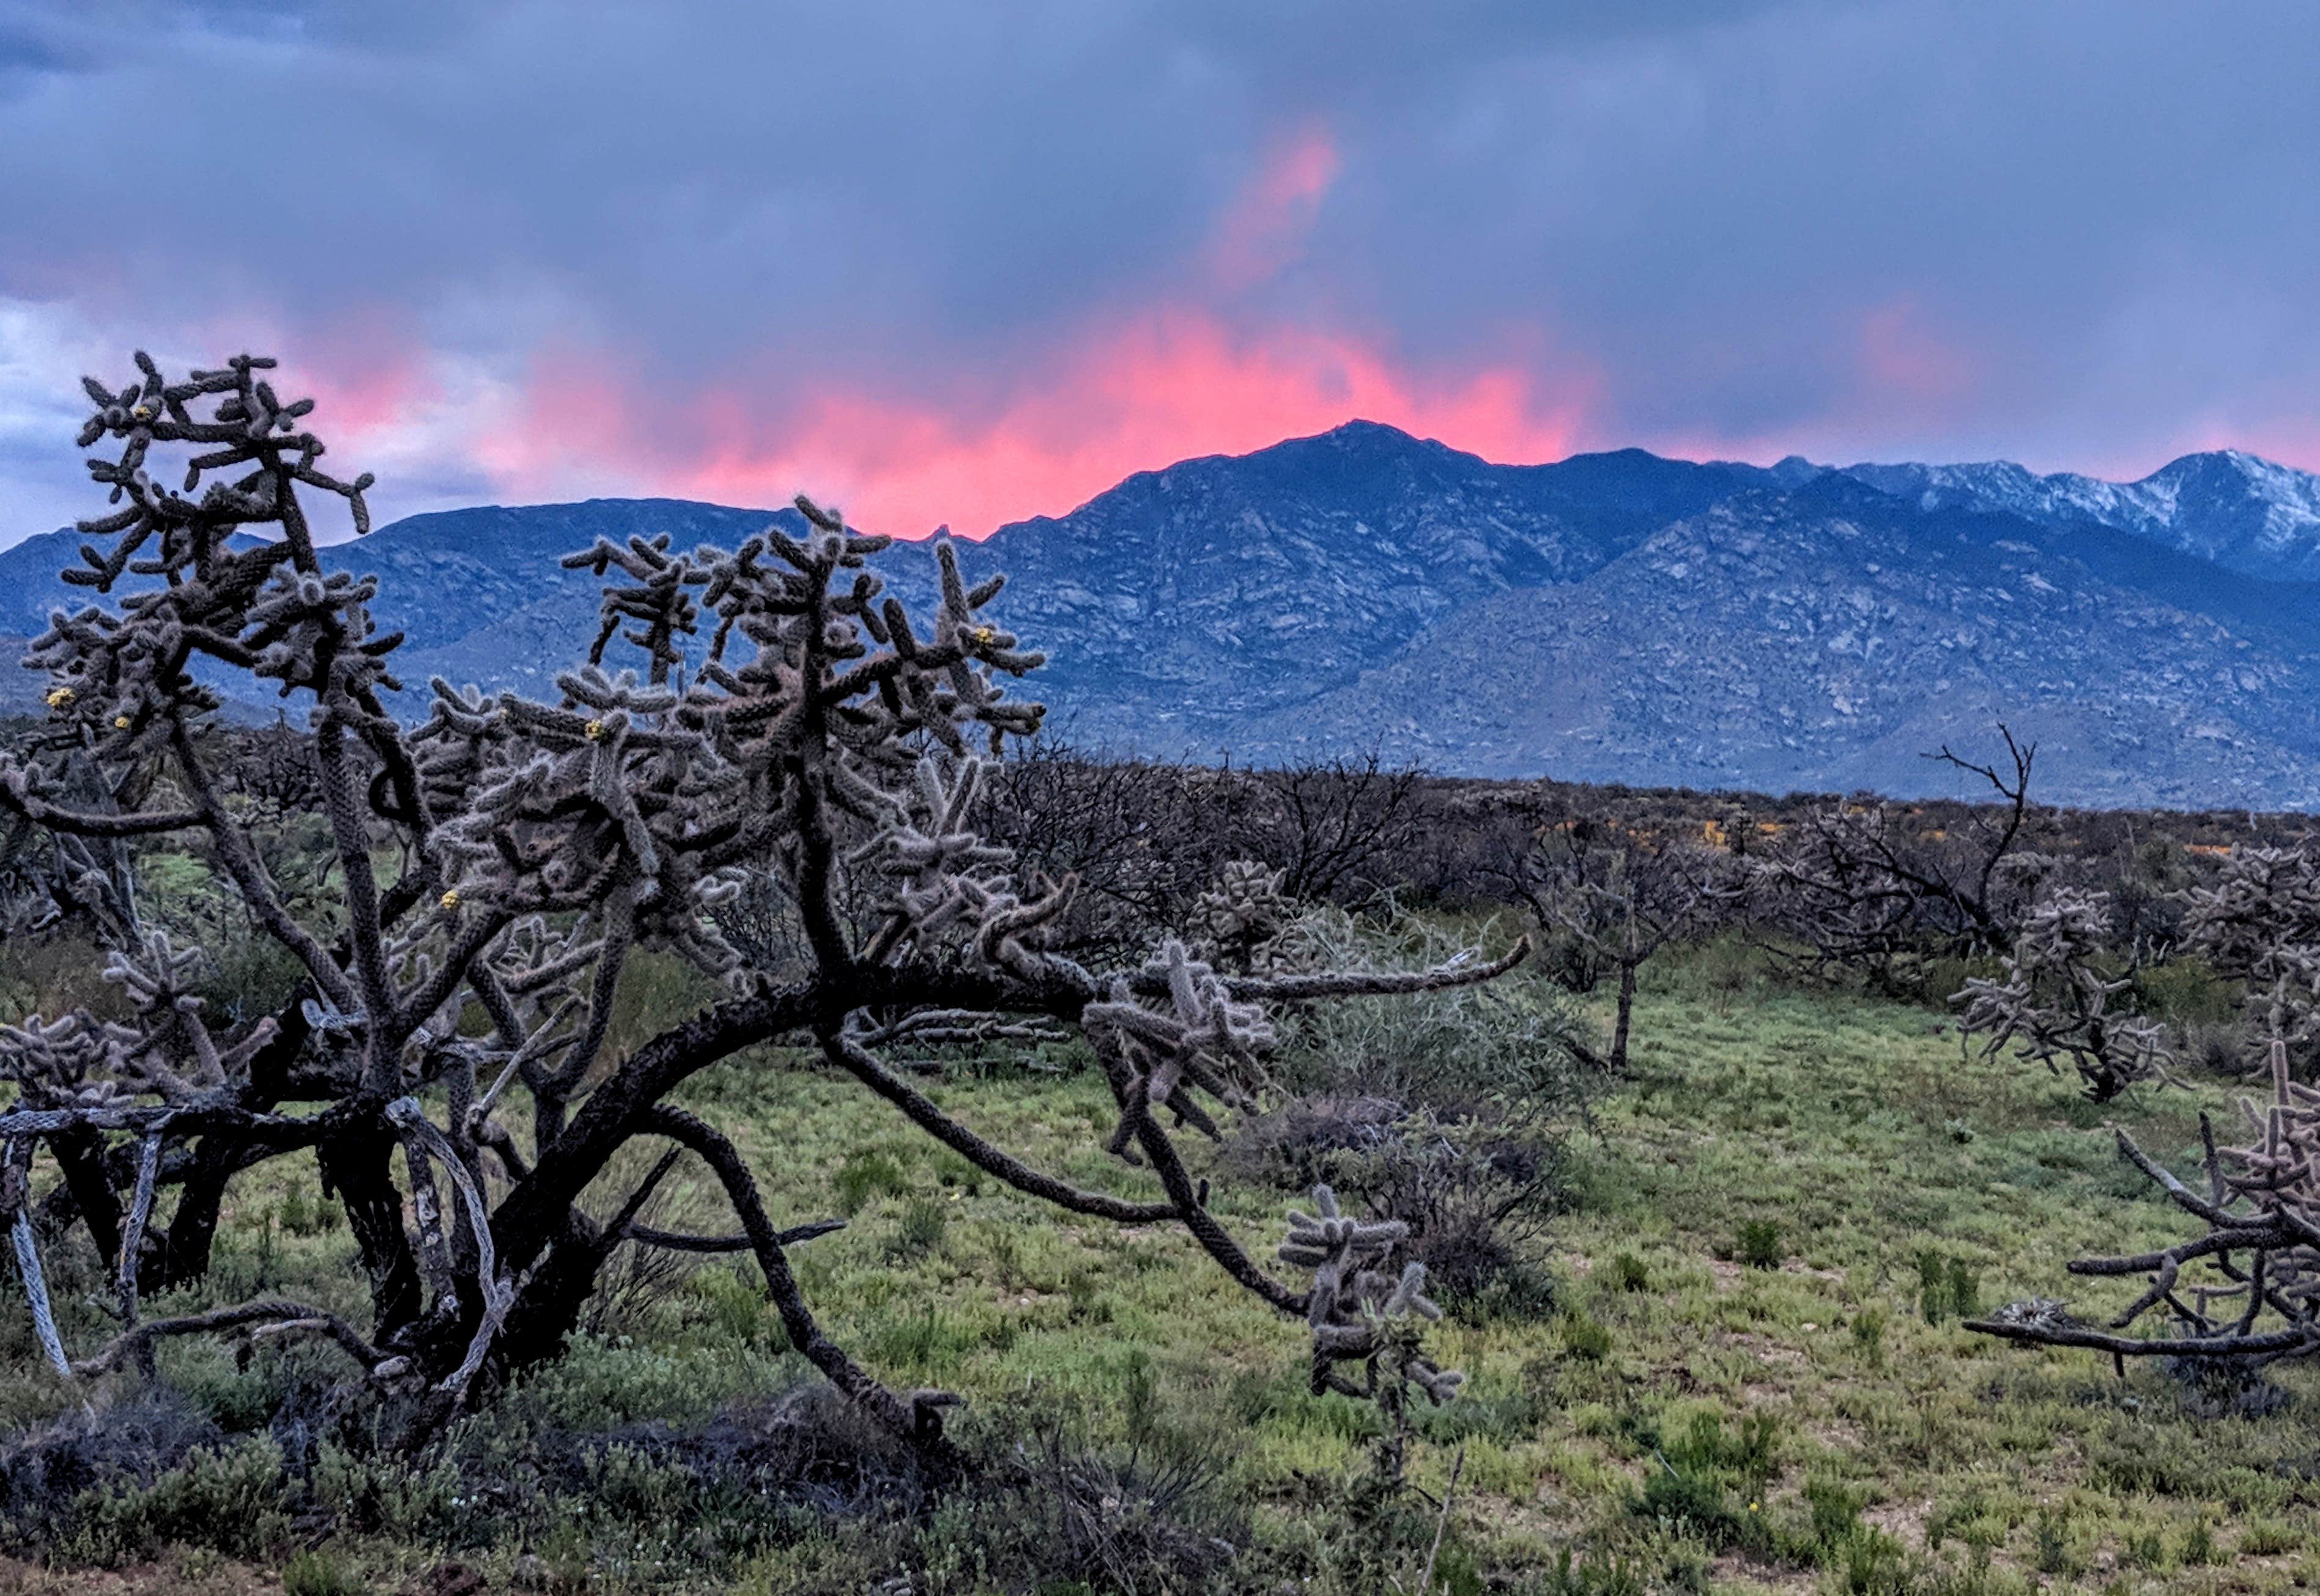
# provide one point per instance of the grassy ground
(1745, 1384)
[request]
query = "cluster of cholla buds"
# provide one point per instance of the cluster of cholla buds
(79, 1061)
(1204, 1040)
(1238, 920)
(1357, 1310)
(122, 678)
(2058, 1003)
(247, 427)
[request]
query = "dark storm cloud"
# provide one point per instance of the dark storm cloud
(2077, 233)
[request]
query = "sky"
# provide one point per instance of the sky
(965, 264)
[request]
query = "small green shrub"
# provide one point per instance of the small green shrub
(1743, 1456)
(310, 1215)
(1965, 1290)
(1522, 1291)
(230, 1499)
(734, 1306)
(1869, 1334)
(1584, 1336)
(1868, 1563)
(2187, 991)
(2050, 1543)
(317, 1572)
(379, 1493)
(1600, 1575)
(1835, 1511)
(1628, 1272)
(1947, 1287)
(930, 1340)
(2197, 1548)
(1090, 1303)
(865, 1174)
(920, 1231)
(816, 1564)
(1688, 1505)
(2269, 1539)
(1759, 1245)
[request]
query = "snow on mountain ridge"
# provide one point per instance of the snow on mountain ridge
(2248, 514)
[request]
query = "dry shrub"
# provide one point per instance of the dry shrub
(1445, 1111)
(46, 1468)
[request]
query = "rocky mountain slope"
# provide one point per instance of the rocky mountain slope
(1831, 637)
(1612, 616)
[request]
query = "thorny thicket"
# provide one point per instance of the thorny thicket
(2251, 1295)
(496, 869)
(1861, 886)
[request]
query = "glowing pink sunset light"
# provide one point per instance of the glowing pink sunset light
(1159, 389)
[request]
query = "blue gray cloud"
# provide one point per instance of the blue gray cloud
(2077, 233)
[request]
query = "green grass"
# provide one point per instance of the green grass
(1816, 1421)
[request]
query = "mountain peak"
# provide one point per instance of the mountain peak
(1361, 429)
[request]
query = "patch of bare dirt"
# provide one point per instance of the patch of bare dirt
(189, 1576)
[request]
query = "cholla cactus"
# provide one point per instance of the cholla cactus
(1239, 920)
(2057, 1003)
(1358, 1312)
(2260, 920)
(2248, 1288)
(823, 737)
(2262, 1302)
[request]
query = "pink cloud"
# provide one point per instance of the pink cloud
(1155, 389)
(1900, 353)
(1265, 226)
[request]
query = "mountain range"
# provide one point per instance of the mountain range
(1615, 617)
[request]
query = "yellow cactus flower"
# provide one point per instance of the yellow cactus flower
(594, 730)
(984, 634)
(450, 900)
(120, 723)
(60, 698)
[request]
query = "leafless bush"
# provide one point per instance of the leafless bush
(1145, 841)
(1871, 885)
(1614, 898)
